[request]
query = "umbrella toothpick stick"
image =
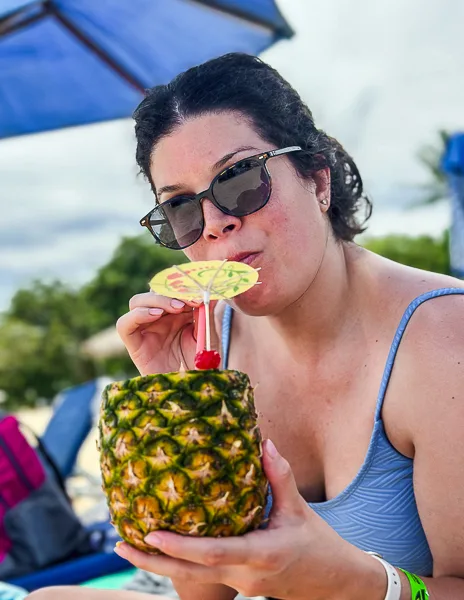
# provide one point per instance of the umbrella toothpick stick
(206, 307)
(205, 281)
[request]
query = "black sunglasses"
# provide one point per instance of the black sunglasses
(240, 190)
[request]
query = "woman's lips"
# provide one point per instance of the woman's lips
(245, 257)
(250, 258)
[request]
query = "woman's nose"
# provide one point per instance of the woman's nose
(217, 223)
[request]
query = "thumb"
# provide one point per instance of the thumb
(286, 496)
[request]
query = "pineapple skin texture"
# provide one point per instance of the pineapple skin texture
(182, 452)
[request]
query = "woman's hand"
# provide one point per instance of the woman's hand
(299, 556)
(154, 329)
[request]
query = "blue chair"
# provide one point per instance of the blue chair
(73, 572)
(75, 411)
(69, 425)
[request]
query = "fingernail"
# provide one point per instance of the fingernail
(120, 551)
(177, 304)
(155, 311)
(271, 449)
(153, 539)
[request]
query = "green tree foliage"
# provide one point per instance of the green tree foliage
(40, 337)
(36, 362)
(20, 345)
(423, 252)
(42, 304)
(430, 156)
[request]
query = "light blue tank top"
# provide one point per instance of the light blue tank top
(377, 511)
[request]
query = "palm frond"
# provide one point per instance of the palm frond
(431, 156)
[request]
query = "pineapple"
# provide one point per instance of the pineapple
(181, 452)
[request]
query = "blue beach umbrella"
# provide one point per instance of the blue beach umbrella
(453, 165)
(71, 62)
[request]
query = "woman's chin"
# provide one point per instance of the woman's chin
(257, 302)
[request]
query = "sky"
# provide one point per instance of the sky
(383, 77)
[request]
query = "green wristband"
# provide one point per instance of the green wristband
(418, 589)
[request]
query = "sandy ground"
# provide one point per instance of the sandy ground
(88, 461)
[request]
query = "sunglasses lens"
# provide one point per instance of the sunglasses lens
(243, 189)
(177, 223)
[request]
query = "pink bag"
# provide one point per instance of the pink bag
(38, 526)
(21, 472)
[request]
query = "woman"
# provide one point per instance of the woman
(369, 420)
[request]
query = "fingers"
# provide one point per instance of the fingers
(204, 551)
(152, 300)
(169, 567)
(132, 321)
(146, 309)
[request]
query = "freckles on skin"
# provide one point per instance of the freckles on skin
(292, 222)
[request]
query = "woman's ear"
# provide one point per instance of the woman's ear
(322, 181)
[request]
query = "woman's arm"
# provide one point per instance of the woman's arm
(433, 395)
(202, 591)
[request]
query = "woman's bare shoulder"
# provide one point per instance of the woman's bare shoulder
(404, 282)
(438, 317)
(431, 352)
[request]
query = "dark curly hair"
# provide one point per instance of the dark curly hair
(245, 84)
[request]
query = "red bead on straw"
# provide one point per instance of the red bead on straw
(207, 359)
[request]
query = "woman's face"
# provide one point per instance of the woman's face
(286, 238)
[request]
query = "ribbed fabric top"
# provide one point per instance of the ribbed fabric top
(377, 511)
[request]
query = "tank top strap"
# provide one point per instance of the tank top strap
(399, 335)
(225, 334)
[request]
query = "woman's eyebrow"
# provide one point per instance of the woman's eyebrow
(170, 188)
(225, 159)
(217, 165)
